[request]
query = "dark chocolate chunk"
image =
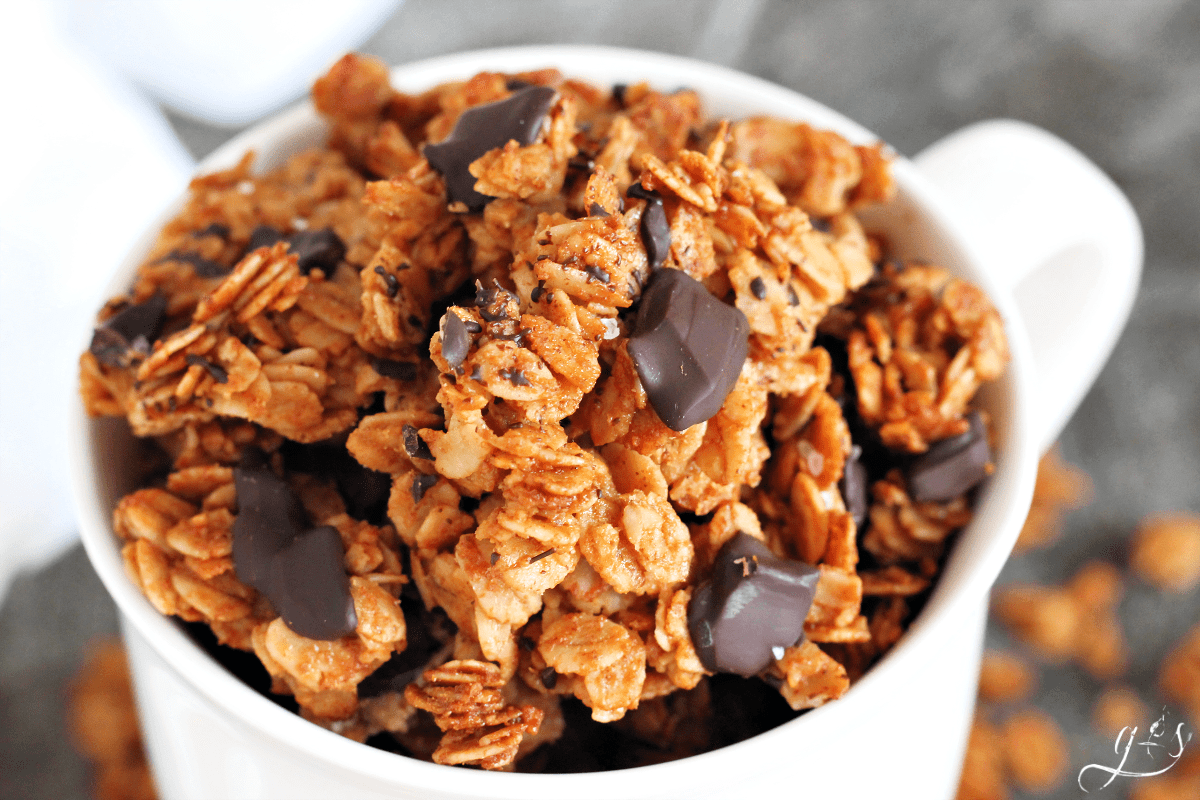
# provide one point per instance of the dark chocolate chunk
(514, 376)
(549, 678)
(217, 229)
(581, 163)
(218, 373)
(656, 232)
(753, 606)
(400, 370)
(688, 348)
(456, 339)
(414, 445)
(422, 484)
(485, 128)
(820, 224)
(758, 288)
(263, 236)
(312, 590)
(793, 299)
(596, 273)
(853, 484)
(390, 283)
(298, 567)
(952, 466)
(203, 267)
(317, 249)
(134, 327)
(618, 93)
(597, 210)
(513, 84)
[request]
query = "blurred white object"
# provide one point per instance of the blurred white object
(226, 62)
(88, 163)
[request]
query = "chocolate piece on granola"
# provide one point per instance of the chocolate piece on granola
(414, 445)
(688, 348)
(951, 466)
(656, 232)
(263, 236)
(296, 566)
(752, 608)
(203, 267)
(134, 327)
(853, 485)
(311, 588)
(456, 339)
(482, 128)
(317, 249)
(399, 370)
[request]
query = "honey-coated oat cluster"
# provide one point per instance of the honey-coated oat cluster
(500, 397)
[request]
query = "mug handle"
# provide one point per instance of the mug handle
(1056, 233)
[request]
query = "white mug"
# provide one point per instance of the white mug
(1048, 237)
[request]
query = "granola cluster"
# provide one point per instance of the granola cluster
(471, 363)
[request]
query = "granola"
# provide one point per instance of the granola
(530, 377)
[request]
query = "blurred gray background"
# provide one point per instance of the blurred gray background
(1119, 80)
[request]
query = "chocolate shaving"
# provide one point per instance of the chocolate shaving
(514, 376)
(549, 678)
(793, 299)
(218, 373)
(391, 284)
(597, 273)
(758, 288)
(456, 339)
(414, 445)
(541, 555)
(654, 228)
(131, 330)
(263, 236)
(399, 370)
(422, 484)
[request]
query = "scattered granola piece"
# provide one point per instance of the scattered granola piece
(1116, 708)
(1179, 676)
(104, 725)
(1166, 552)
(1005, 677)
(983, 765)
(1060, 487)
(1035, 750)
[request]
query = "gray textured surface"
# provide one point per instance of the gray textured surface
(1120, 80)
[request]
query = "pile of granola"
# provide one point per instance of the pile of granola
(506, 395)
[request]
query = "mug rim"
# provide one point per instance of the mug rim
(1003, 502)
